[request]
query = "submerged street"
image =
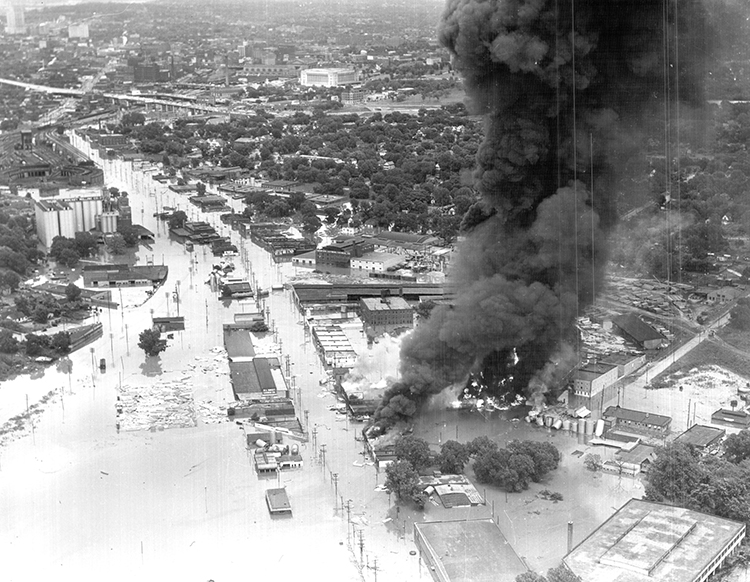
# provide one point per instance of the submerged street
(186, 501)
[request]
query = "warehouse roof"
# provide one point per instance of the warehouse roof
(647, 541)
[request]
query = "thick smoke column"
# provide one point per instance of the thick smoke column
(552, 78)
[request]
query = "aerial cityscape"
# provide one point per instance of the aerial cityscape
(451, 290)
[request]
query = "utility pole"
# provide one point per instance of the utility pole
(335, 477)
(323, 455)
(315, 437)
(375, 569)
(361, 545)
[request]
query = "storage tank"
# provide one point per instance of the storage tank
(295, 449)
(548, 420)
(566, 424)
(557, 425)
(540, 420)
(599, 430)
(589, 425)
(581, 425)
(260, 443)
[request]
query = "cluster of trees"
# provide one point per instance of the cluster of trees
(35, 345)
(406, 172)
(18, 248)
(38, 306)
(719, 485)
(514, 467)
(69, 251)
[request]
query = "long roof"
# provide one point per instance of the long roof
(636, 328)
(637, 416)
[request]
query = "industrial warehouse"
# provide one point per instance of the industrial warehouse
(647, 541)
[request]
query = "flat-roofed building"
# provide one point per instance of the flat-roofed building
(645, 541)
(637, 420)
(590, 379)
(467, 551)
(704, 438)
(376, 262)
(335, 347)
(386, 313)
(122, 275)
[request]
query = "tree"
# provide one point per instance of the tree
(69, 258)
(85, 244)
(545, 456)
(452, 458)
(60, 342)
(737, 447)
(415, 450)
(674, 475)
(402, 479)
(177, 220)
(129, 235)
(593, 462)
(116, 244)
(8, 343)
(424, 308)
(530, 577)
(480, 445)
(72, 292)
(40, 314)
(10, 280)
(149, 340)
(35, 344)
(200, 187)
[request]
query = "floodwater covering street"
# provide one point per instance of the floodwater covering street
(81, 498)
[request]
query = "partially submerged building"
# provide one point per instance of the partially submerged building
(122, 275)
(467, 551)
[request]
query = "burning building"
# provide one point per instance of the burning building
(569, 92)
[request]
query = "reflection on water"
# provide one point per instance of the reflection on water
(151, 366)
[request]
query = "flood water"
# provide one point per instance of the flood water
(78, 496)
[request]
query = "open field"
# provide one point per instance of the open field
(710, 352)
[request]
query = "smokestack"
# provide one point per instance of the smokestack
(549, 77)
(570, 536)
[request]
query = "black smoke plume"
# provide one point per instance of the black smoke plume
(570, 91)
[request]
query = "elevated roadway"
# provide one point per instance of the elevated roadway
(164, 102)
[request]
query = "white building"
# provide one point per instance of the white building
(78, 30)
(54, 218)
(328, 77)
(376, 262)
(14, 18)
(74, 210)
